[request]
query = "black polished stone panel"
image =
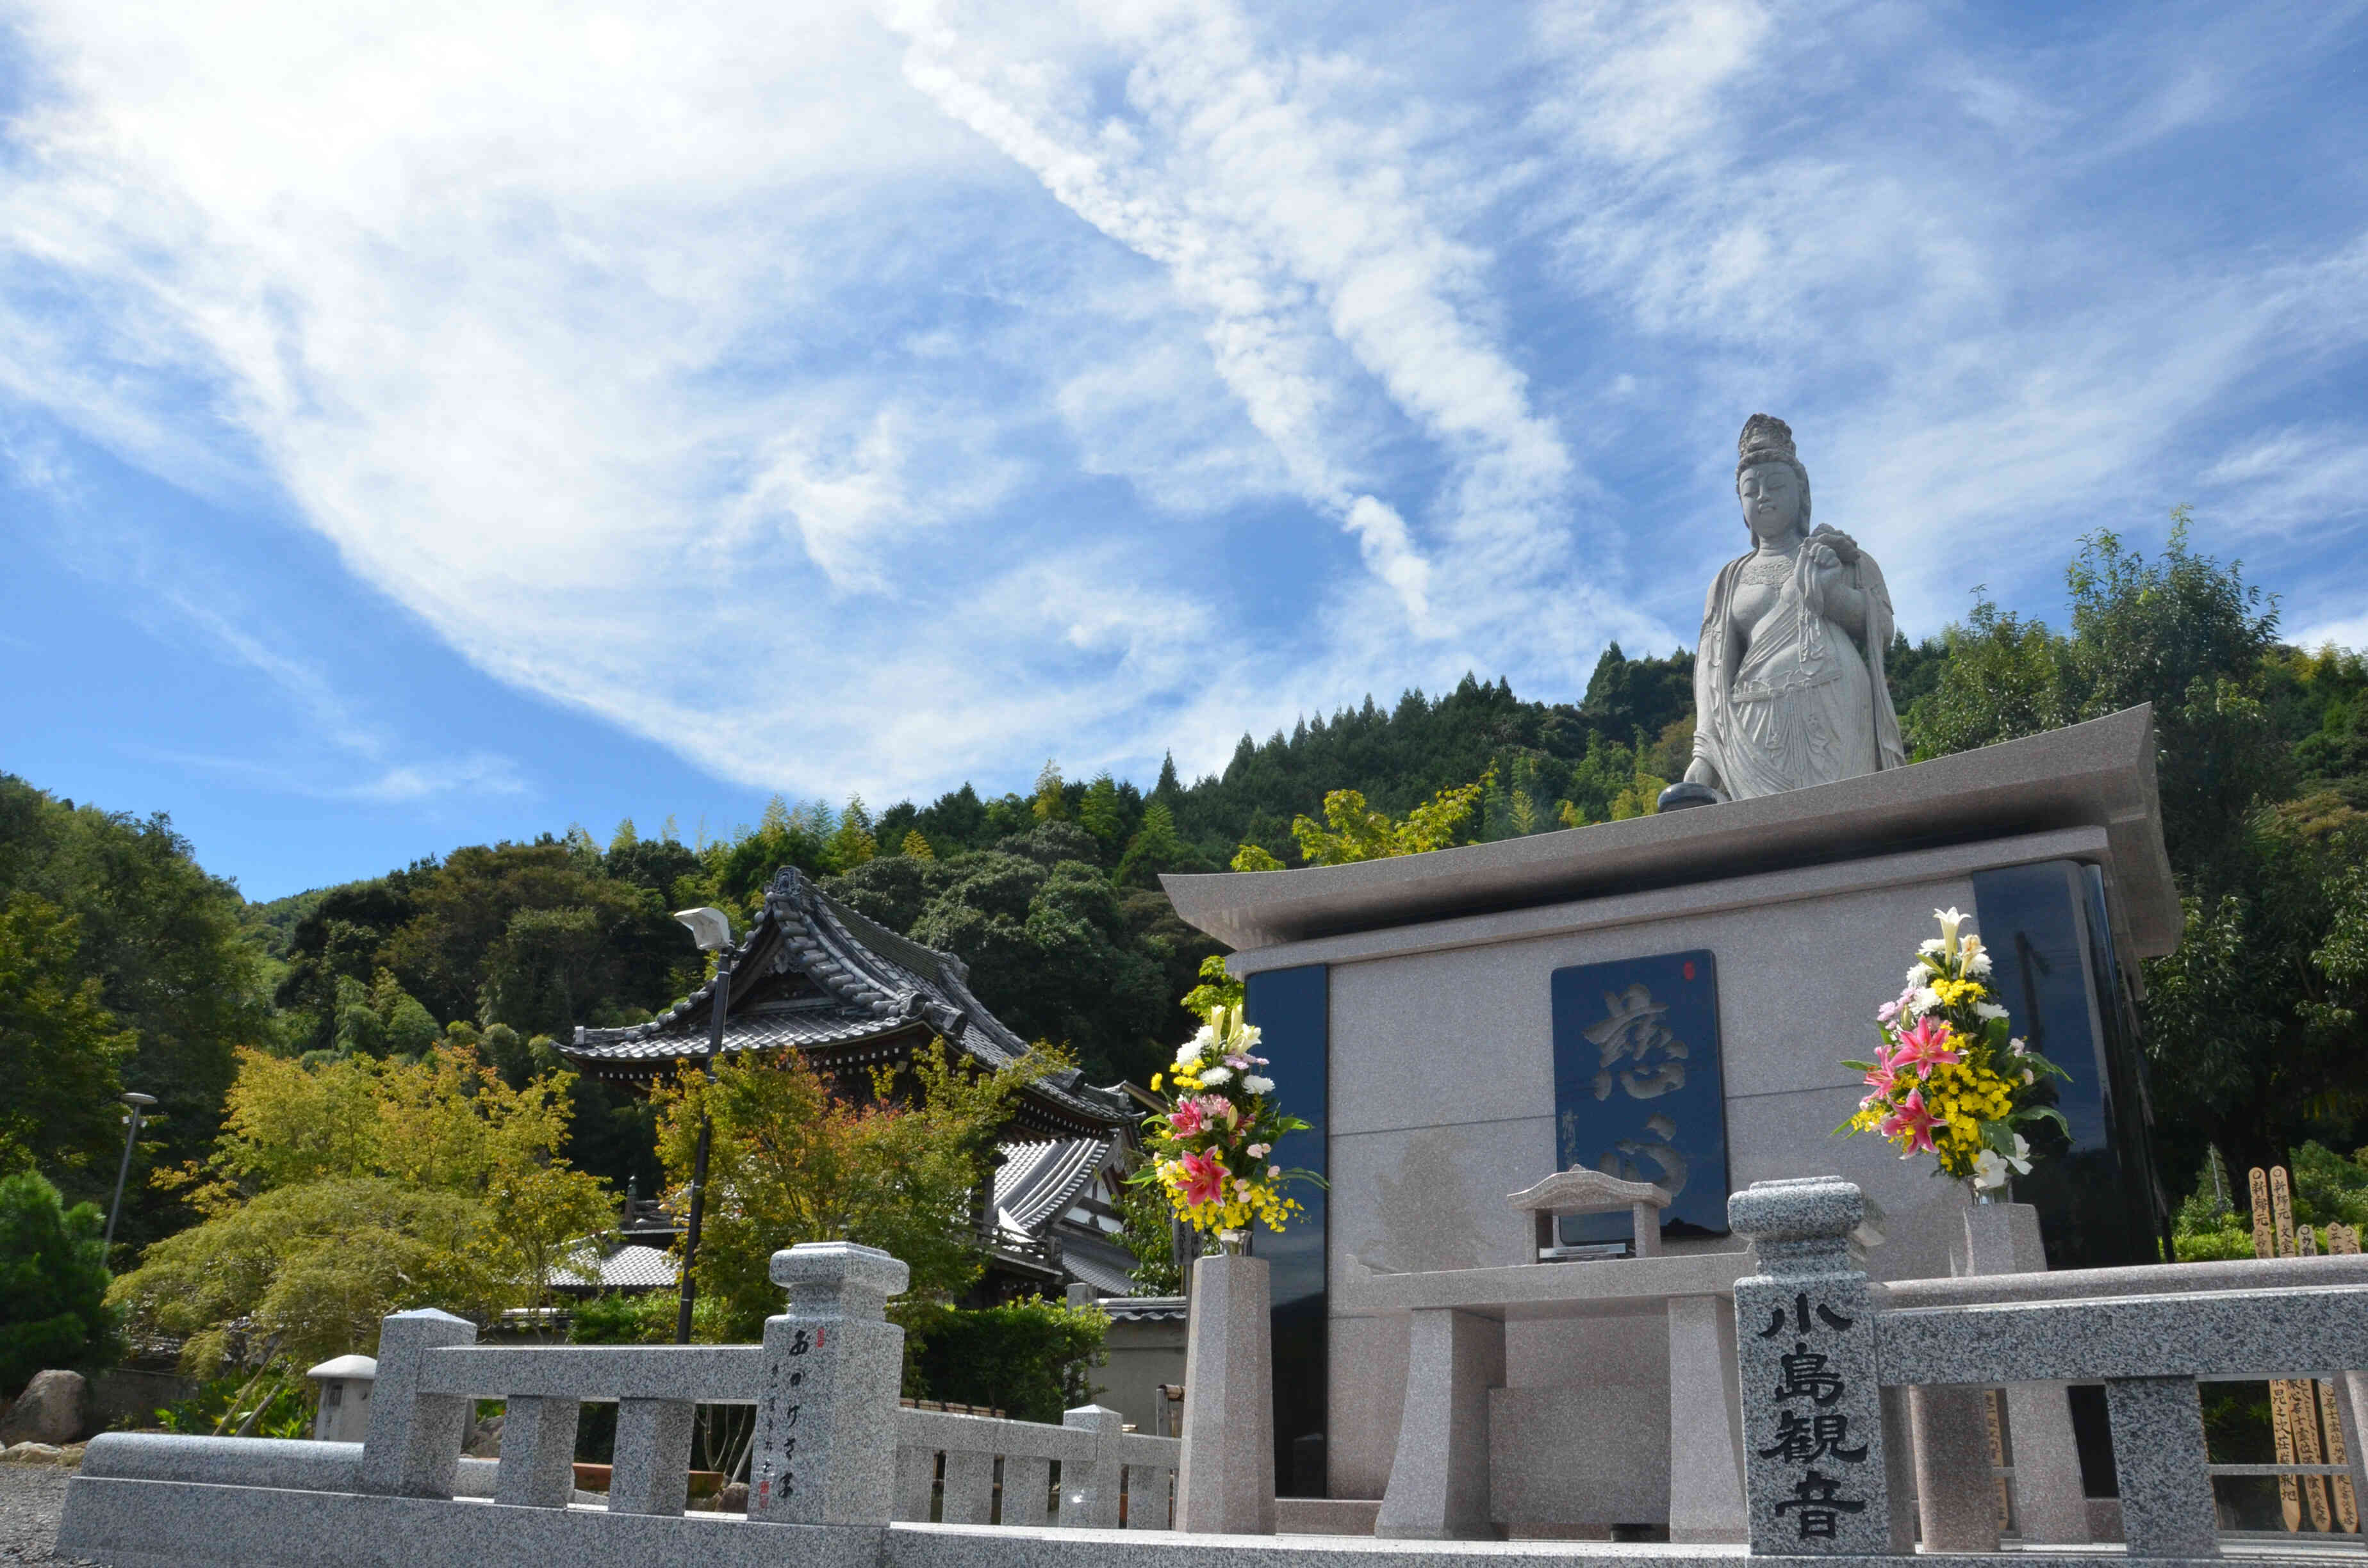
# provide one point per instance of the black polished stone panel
(1638, 1092)
(1291, 1007)
(2055, 970)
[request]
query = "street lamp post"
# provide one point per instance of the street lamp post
(712, 928)
(138, 1103)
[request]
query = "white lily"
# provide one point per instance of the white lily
(1950, 919)
(1990, 1171)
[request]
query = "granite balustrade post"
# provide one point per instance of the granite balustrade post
(1439, 1481)
(826, 1412)
(1899, 1469)
(1956, 1489)
(1227, 1486)
(1147, 1497)
(2049, 1507)
(916, 1480)
(1817, 1477)
(2351, 1408)
(969, 1487)
(1027, 1490)
(538, 1463)
(413, 1447)
(652, 1474)
(2158, 1457)
(1706, 1418)
(1092, 1488)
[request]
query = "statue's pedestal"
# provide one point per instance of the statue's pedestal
(1480, 1015)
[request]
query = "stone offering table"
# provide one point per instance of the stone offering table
(1464, 1461)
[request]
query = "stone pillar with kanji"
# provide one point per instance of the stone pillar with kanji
(1812, 1438)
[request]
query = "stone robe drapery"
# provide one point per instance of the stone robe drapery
(1804, 702)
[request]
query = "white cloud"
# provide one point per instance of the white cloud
(863, 399)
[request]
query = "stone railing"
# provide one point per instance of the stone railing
(824, 1383)
(1827, 1359)
(982, 1470)
(832, 1449)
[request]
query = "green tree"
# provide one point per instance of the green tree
(1153, 848)
(1101, 813)
(176, 964)
(53, 1309)
(1051, 803)
(59, 1048)
(851, 843)
(791, 1161)
(2254, 1024)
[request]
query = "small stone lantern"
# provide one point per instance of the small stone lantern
(1581, 1191)
(344, 1413)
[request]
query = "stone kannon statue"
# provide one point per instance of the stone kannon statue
(1788, 676)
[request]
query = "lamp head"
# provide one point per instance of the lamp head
(142, 1101)
(711, 927)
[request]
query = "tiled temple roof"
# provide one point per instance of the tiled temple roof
(815, 974)
(1038, 1182)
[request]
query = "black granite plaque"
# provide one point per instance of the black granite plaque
(1637, 1090)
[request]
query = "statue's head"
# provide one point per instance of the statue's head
(1770, 481)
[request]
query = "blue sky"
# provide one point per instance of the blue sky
(426, 424)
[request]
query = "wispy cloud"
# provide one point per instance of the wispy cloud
(866, 399)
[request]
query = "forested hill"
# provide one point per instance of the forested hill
(1051, 894)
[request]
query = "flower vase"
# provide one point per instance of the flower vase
(1233, 1243)
(1224, 1483)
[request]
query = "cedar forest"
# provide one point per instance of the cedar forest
(122, 959)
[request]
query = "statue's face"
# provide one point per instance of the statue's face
(1771, 500)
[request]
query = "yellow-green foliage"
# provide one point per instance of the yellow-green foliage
(1217, 988)
(346, 1190)
(791, 1162)
(1353, 831)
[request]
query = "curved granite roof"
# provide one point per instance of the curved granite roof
(815, 974)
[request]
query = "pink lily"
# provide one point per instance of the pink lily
(1926, 1046)
(1913, 1121)
(1204, 1178)
(1186, 1119)
(1886, 1069)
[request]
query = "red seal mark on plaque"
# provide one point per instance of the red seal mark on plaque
(1690, 969)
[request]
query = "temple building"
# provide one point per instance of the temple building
(854, 996)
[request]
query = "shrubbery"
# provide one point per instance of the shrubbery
(1032, 1360)
(53, 1309)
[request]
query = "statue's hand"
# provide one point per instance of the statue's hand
(1843, 547)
